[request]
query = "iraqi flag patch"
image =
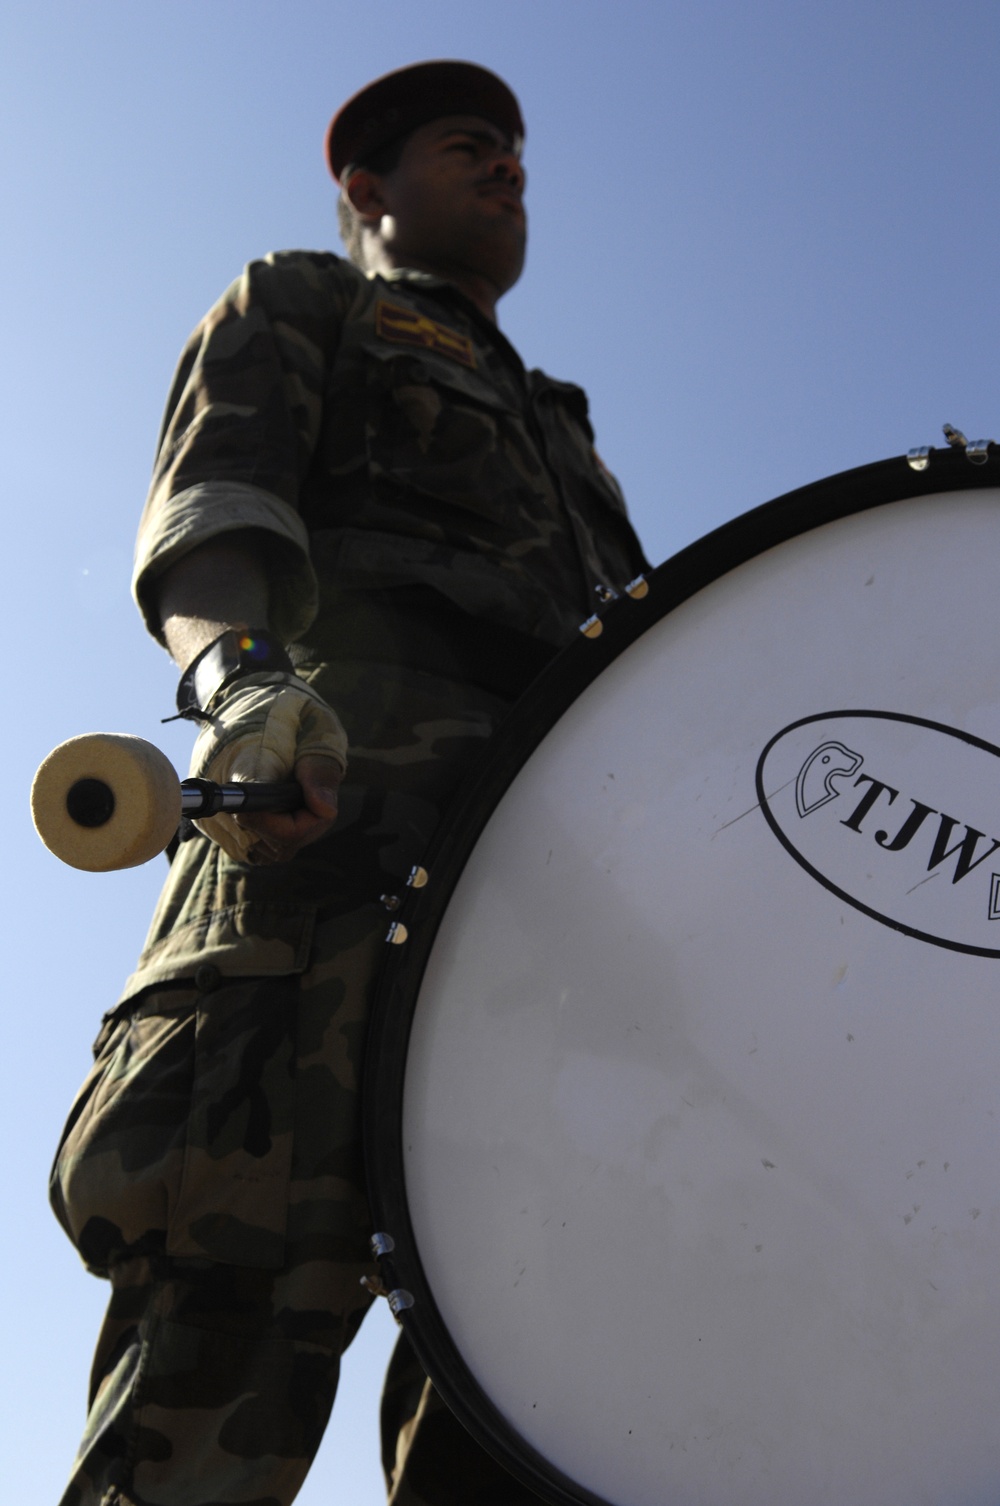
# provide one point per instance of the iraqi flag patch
(404, 326)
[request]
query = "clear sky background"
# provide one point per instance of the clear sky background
(763, 237)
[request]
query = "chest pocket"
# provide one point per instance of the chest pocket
(564, 419)
(435, 429)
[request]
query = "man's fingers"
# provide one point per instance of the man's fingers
(282, 835)
(286, 833)
(320, 779)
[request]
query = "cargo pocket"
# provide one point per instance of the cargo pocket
(117, 1168)
(232, 1199)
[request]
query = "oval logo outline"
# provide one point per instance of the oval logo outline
(893, 923)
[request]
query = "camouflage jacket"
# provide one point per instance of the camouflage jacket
(383, 432)
(389, 441)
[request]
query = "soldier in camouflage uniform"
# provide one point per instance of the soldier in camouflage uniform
(355, 459)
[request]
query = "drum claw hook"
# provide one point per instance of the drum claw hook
(375, 1285)
(399, 1299)
(976, 450)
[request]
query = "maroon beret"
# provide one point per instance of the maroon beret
(399, 102)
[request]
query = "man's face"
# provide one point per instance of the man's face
(453, 203)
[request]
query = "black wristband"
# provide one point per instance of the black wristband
(232, 655)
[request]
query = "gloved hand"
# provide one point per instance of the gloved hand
(263, 727)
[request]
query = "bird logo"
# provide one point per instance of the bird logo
(814, 785)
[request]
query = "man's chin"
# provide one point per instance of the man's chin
(506, 258)
(506, 278)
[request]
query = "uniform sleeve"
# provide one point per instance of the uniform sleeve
(241, 426)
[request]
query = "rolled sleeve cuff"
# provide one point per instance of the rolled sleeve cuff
(210, 508)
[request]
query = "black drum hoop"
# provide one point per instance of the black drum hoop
(530, 720)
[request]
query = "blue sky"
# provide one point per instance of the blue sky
(762, 236)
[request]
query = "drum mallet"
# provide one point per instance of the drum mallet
(106, 800)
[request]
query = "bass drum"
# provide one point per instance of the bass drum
(685, 1093)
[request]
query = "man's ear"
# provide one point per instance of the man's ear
(363, 191)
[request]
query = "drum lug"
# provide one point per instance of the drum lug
(593, 627)
(637, 588)
(417, 878)
(399, 1301)
(976, 450)
(397, 934)
(919, 459)
(382, 1244)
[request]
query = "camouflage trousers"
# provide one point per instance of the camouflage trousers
(212, 1163)
(212, 1382)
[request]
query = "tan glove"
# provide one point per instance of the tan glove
(261, 725)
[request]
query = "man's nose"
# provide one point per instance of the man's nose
(507, 165)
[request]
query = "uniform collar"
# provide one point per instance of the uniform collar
(410, 274)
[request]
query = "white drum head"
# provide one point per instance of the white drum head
(700, 1124)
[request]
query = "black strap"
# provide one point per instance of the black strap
(232, 655)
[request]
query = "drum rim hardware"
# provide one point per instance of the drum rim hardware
(398, 1298)
(636, 589)
(417, 878)
(977, 451)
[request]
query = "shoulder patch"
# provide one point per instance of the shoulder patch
(406, 327)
